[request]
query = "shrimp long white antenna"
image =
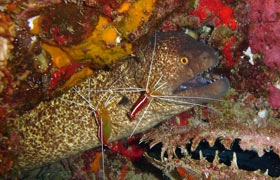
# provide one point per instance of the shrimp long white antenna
(87, 100)
(158, 81)
(102, 149)
(188, 97)
(73, 102)
(89, 90)
(187, 103)
(151, 65)
(108, 100)
(108, 90)
(79, 104)
(129, 89)
(160, 86)
(115, 82)
(142, 89)
(141, 118)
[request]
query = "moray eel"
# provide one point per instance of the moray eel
(66, 125)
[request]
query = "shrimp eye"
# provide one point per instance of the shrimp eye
(184, 60)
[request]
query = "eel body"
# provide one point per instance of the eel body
(66, 125)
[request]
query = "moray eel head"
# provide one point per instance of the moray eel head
(183, 64)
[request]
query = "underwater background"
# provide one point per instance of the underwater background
(49, 46)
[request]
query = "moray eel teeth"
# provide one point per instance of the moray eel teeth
(202, 79)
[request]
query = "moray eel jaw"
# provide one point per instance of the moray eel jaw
(204, 85)
(184, 64)
(206, 90)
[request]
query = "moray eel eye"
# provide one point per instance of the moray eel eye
(184, 60)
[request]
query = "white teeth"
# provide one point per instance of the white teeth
(234, 161)
(182, 86)
(266, 172)
(201, 155)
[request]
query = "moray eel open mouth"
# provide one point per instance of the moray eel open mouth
(203, 88)
(202, 79)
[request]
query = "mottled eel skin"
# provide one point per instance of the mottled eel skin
(58, 129)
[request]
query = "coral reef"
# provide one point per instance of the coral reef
(264, 30)
(264, 37)
(52, 50)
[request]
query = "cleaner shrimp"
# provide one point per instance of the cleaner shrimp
(101, 115)
(100, 110)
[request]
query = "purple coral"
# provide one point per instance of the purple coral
(264, 30)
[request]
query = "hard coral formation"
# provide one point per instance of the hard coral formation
(9, 140)
(264, 30)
